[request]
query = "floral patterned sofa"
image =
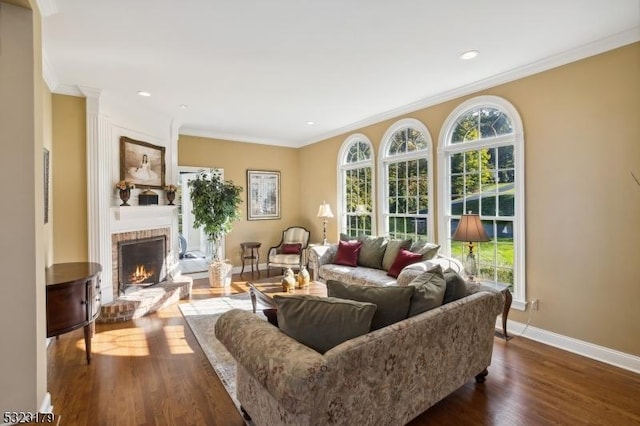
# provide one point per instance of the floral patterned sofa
(386, 377)
(321, 263)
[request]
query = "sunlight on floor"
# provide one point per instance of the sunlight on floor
(176, 341)
(123, 342)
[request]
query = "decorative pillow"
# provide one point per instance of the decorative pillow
(426, 249)
(403, 259)
(429, 292)
(347, 253)
(393, 248)
(291, 248)
(322, 322)
(456, 286)
(372, 251)
(392, 302)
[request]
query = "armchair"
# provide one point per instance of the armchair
(291, 251)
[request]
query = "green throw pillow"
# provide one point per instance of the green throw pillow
(426, 249)
(456, 286)
(429, 287)
(322, 322)
(393, 302)
(372, 251)
(393, 248)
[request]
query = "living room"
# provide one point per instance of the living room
(582, 202)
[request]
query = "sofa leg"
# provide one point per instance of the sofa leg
(244, 413)
(480, 378)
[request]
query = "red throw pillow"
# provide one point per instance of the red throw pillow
(347, 254)
(404, 258)
(290, 248)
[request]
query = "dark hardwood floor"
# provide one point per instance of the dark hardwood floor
(151, 371)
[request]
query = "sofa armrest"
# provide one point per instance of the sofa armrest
(321, 255)
(287, 369)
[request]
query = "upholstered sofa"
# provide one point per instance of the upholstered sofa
(323, 267)
(385, 377)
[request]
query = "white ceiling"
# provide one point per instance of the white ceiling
(258, 71)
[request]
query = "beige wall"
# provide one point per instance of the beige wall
(582, 205)
(69, 179)
(23, 367)
(236, 158)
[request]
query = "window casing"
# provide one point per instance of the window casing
(481, 170)
(406, 181)
(355, 186)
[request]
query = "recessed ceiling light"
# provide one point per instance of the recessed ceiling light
(311, 123)
(143, 93)
(183, 106)
(469, 54)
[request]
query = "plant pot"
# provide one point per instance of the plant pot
(220, 274)
(124, 196)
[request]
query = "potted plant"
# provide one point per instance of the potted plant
(215, 209)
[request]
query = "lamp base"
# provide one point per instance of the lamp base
(470, 267)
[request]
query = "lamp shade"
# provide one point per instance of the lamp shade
(324, 211)
(470, 229)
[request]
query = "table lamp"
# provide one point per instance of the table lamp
(470, 230)
(324, 213)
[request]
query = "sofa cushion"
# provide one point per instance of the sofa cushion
(456, 286)
(426, 249)
(348, 253)
(372, 251)
(291, 248)
(404, 258)
(322, 322)
(393, 302)
(429, 292)
(356, 275)
(393, 248)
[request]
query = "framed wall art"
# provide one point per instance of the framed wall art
(142, 163)
(263, 194)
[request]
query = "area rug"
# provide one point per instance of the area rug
(201, 315)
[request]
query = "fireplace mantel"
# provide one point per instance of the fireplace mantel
(134, 212)
(128, 218)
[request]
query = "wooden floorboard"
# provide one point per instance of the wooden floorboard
(151, 371)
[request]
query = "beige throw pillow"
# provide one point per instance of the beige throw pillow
(372, 251)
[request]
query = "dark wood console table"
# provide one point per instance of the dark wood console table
(73, 299)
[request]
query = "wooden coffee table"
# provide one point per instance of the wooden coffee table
(264, 290)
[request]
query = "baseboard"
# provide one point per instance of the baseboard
(580, 347)
(45, 406)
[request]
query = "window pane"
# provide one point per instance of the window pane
(457, 163)
(505, 157)
(488, 205)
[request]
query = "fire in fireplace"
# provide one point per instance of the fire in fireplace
(141, 262)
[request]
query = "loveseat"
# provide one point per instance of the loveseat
(385, 377)
(371, 272)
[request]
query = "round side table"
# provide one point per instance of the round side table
(250, 252)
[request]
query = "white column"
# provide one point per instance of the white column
(99, 189)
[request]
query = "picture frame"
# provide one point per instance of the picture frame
(142, 163)
(263, 195)
(45, 171)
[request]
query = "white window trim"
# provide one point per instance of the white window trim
(342, 165)
(444, 213)
(383, 159)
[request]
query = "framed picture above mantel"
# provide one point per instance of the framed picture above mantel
(142, 163)
(263, 195)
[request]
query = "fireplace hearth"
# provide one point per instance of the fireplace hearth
(141, 262)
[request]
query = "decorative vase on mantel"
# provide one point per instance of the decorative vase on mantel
(171, 195)
(125, 194)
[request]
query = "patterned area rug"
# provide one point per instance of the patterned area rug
(201, 316)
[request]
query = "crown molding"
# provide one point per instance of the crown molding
(47, 7)
(204, 133)
(600, 46)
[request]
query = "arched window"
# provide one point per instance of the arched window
(406, 181)
(481, 170)
(355, 186)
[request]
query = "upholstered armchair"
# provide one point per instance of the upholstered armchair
(291, 251)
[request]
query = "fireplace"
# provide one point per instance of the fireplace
(139, 259)
(141, 262)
